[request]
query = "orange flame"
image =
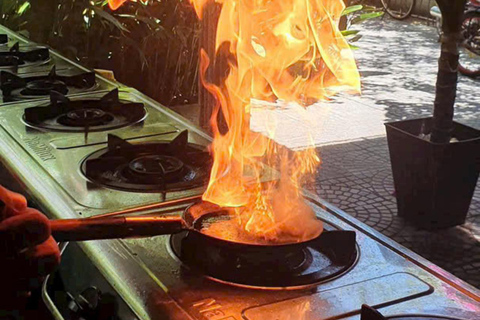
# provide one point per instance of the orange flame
(289, 50)
(115, 4)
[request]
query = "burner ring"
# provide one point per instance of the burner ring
(85, 117)
(85, 114)
(156, 166)
(44, 87)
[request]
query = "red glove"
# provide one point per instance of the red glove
(27, 251)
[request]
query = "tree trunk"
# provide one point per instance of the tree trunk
(446, 87)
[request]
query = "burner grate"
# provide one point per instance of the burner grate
(148, 167)
(84, 115)
(14, 87)
(17, 56)
(331, 255)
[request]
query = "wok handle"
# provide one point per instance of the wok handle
(113, 228)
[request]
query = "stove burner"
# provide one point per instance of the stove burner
(22, 56)
(63, 114)
(87, 117)
(15, 87)
(155, 167)
(333, 254)
(148, 167)
(44, 87)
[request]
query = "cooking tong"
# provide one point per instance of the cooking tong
(115, 227)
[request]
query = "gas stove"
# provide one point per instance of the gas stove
(21, 58)
(113, 151)
(18, 57)
(39, 86)
(29, 71)
(109, 151)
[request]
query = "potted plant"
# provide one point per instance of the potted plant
(436, 161)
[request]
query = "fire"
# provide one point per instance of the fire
(288, 50)
(115, 4)
(276, 50)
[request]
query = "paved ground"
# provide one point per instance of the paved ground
(398, 66)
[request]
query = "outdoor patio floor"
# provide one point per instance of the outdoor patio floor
(356, 177)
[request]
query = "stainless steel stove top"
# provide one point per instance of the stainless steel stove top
(42, 68)
(25, 44)
(147, 279)
(59, 155)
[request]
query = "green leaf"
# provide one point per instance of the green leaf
(109, 18)
(23, 8)
(366, 16)
(355, 39)
(351, 9)
(347, 33)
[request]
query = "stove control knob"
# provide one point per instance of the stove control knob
(88, 299)
(91, 304)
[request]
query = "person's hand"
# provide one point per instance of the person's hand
(28, 253)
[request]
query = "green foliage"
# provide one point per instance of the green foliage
(352, 9)
(151, 45)
(356, 14)
(14, 12)
(366, 16)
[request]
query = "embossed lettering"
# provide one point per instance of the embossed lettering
(41, 149)
(210, 309)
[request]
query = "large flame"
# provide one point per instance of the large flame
(289, 50)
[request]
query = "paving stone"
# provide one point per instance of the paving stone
(366, 194)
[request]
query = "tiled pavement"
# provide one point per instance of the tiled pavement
(398, 63)
(356, 177)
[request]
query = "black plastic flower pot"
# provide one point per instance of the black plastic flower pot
(434, 183)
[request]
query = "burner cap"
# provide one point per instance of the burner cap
(85, 117)
(44, 87)
(156, 166)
